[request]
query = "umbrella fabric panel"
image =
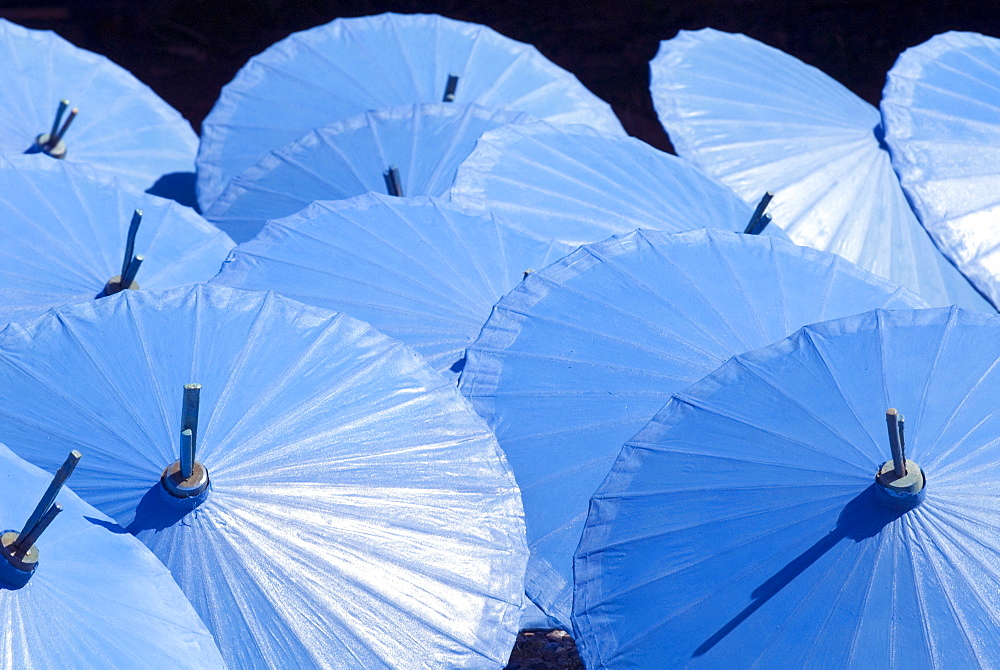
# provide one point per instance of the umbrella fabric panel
(123, 126)
(65, 228)
(426, 142)
(360, 514)
(940, 112)
(577, 185)
(350, 66)
(758, 119)
(92, 589)
(418, 269)
(581, 354)
(753, 491)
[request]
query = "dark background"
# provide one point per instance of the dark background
(186, 50)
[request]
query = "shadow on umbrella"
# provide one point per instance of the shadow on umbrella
(862, 518)
(176, 186)
(154, 512)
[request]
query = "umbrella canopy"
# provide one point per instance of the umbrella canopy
(418, 269)
(122, 125)
(90, 590)
(758, 119)
(742, 526)
(581, 354)
(940, 110)
(574, 184)
(411, 150)
(346, 67)
(359, 513)
(66, 231)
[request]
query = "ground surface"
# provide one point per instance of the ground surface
(188, 49)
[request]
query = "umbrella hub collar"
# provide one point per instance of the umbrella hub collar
(114, 285)
(179, 486)
(900, 492)
(45, 144)
(51, 143)
(18, 566)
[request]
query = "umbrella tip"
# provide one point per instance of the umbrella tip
(759, 220)
(900, 481)
(393, 183)
(51, 143)
(130, 263)
(19, 549)
(186, 477)
(450, 88)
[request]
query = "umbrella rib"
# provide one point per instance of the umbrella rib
(705, 299)
(807, 334)
(153, 380)
(808, 446)
(942, 342)
(483, 287)
(278, 384)
(531, 159)
(939, 578)
(405, 56)
(110, 382)
(798, 607)
(59, 242)
(458, 308)
(719, 586)
(959, 462)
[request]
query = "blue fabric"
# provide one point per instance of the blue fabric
(342, 160)
(581, 354)
(64, 228)
(942, 124)
(758, 119)
(123, 126)
(360, 514)
(740, 527)
(418, 269)
(97, 598)
(349, 66)
(574, 184)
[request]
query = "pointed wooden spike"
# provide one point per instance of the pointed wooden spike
(133, 229)
(62, 131)
(131, 272)
(187, 453)
(393, 183)
(49, 497)
(189, 417)
(450, 88)
(27, 539)
(899, 465)
(63, 104)
(753, 226)
(902, 439)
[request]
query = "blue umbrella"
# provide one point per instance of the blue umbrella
(80, 595)
(758, 119)
(122, 125)
(578, 357)
(349, 66)
(329, 501)
(940, 110)
(69, 230)
(406, 151)
(745, 525)
(418, 269)
(577, 185)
